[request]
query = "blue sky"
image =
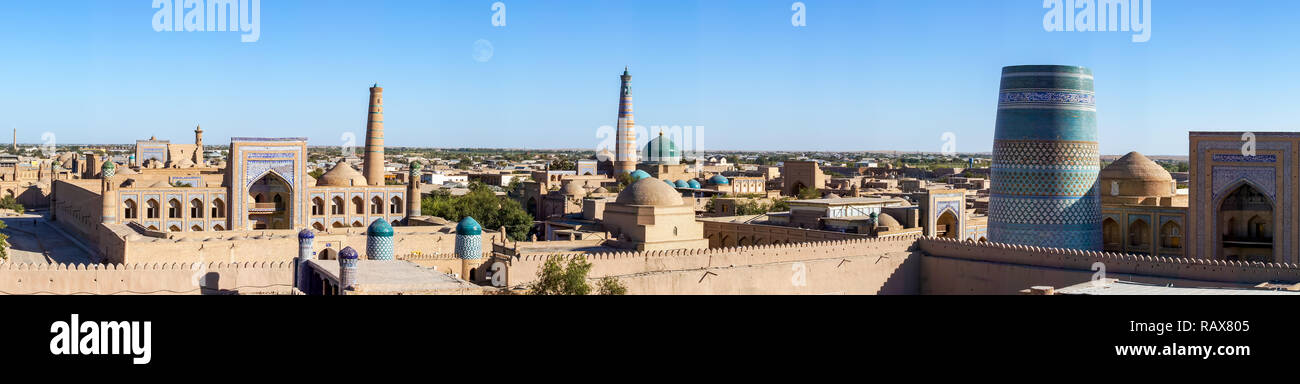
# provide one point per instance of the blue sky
(862, 75)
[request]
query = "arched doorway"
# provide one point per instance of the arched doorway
(1246, 220)
(946, 226)
(1111, 235)
(1139, 236)
(272, 205)
(1171, 236)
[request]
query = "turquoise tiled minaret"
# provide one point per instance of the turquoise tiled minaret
(305, 239)
(1043, 188)
(469, 239)
(379, 241)
(348, 259)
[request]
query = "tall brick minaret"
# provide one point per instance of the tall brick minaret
(625, 143)
(374, 171)
(198, 147)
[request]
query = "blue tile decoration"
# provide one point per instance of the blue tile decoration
(1043, 189)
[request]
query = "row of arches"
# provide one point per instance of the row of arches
(1139, 235)
(338, 206)
(174, 209)
(355, 224)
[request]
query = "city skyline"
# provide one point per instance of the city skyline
(872, 73)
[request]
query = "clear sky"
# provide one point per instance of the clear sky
(861, 75)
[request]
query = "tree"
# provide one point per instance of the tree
(483, 205)
(556, 278)
(317, 173)
(610, 286)
(9, 202)
(809, 193)
(4, 249)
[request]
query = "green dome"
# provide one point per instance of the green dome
(661, 150)
(415, 169)
(639, 174)
(469, 227)
(719, 179)
(681, 184)
(693, 183)
(380, 228)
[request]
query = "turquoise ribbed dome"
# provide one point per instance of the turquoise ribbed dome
(469, 227)
(661, 150)
(681, 184)
(380, 228)
(719, 179)
(639, 174)
(692, 183)
(670, 184)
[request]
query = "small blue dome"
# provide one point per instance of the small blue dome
(681, 184)
(670, 184)
(719, 179)
(692, 183)
(380, 228)
(469, 227)
(348, 254)
(639, 174)
(306, 234)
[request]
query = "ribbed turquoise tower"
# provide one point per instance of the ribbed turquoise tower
(379, 240)
(1043, 188)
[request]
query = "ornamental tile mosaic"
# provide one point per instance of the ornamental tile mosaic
(1046, 154)
(1047, 211)
(469, 247)
(379, 247)
(1264, 178)
(1052, 98)
(1043, 183)
(1245, 159)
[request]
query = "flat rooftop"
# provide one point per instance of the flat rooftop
(399, 277)
(849, 201)
(1129, 288)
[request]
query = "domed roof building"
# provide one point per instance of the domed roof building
(342, 175)
(1136, 175)
(692, 183)
(1142, 209)
(637, 175)
(661, 150)
(651, 215)
(681, 184)
(719, 180)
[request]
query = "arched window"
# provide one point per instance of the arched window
(358, 224)
(339, 224)
(174, 228)
(152, 209)
(196, 208)
(279, 202)
(358, 205)
(1111, 234)
(218, 227)
(130, 211)
(196, 229)
(174, 209)
(318, 226)
(1139, 234)
(337, 208)
(317, 206)
(377, 206)
(395, 206)
(218, 209)
(1171, 236)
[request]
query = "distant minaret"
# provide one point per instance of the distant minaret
(15, 140)
(625, 143)
(413, 191)
(305, 253)
(108, 193)
(198, 146)
(375, 137)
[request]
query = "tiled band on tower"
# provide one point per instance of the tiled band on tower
(625, 143)
(1043, 188)
(375, 138)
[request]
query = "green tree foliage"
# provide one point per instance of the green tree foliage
(610, 286)
(4, 249)
(560, 278)
(809, 194)
(9, 202)
(481, 203)
(317, 173)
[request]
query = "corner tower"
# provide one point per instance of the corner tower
(375, 138)
(1043, 188)
(625, 143)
